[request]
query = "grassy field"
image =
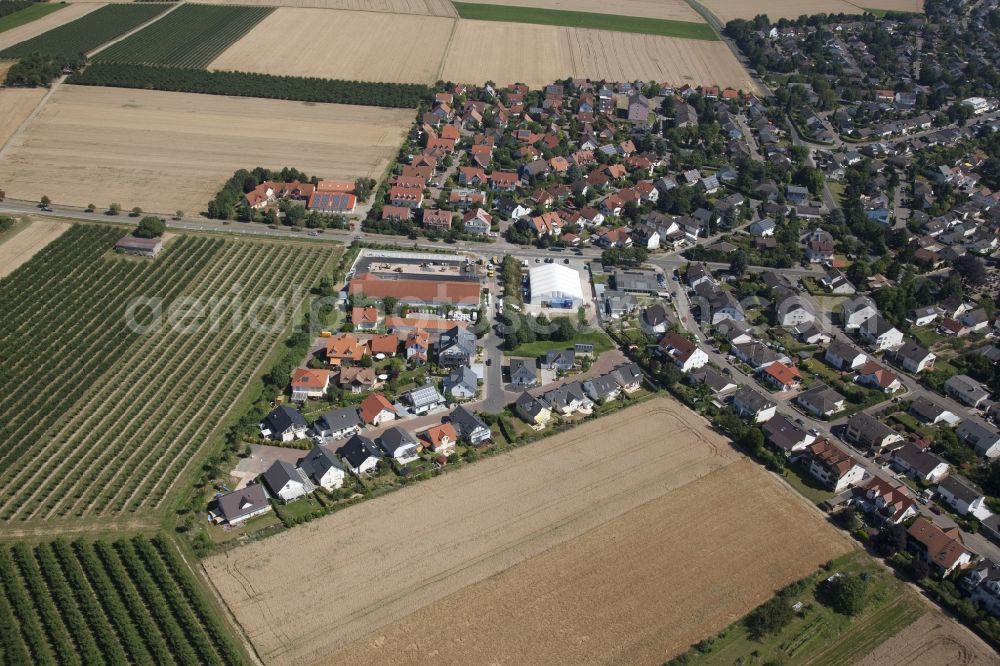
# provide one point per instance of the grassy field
(597, 338)
(133, 601)
(29, 14)
(818, 635)
(191, 36)
(88, 32)
(111, 429)
(613, 22)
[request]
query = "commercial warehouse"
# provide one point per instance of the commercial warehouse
(556, 285)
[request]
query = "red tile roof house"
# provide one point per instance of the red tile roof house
(891, 500)
(344, 347)
(943, 549)
(874, 375)
(436, 219)
(270, 191)
(471, 176)
(504, 181)
(441, 439)
(375, 410)
(410, 197)
(781, 376)
(833, 467)
(417, 346)
(397, 213)
(364, 319)
(384, 344)
(308, 383)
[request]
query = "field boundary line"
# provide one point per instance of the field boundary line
(31, 116)
(447, 50)
(134, 30)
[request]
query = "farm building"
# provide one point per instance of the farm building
(147, 247)
(332, 202)
(557, 285)
(417, 292)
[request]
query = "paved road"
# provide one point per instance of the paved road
(828, 199)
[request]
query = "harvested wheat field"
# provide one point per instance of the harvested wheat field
(25, 241)
(421, 7)
(576, 549)
(16, 104)
(338, 45)
(539, 54)
(618, 56)
(167, 151)
(933, 639)
(676, 10)
(57, 18)
(727, 10)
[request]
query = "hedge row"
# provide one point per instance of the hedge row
(242, 84)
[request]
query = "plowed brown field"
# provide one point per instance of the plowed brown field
(603, 543)
(933, 639)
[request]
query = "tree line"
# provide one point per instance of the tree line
(244, 84)
(39, 69)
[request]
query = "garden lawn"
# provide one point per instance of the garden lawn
(612, 22)
(600, 341)
(818, 635)
(29, 14)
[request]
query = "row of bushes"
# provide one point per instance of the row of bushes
(244, 84)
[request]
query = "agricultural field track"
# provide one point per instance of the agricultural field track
(87, 32)
(26, 240)
(470, 51)
(574, 19)
(113, 426)
(608, 517)
(132, 601)
(338, 44)
(16, 104)
(190, 36)
(419, 7)
(676, 10)
(68, 13)
(933, 639)
(200, 140)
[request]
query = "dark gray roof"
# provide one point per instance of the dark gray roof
(280, 473)
(911, 351)
(656, 315)
(601, 386)
(960, 488)
(926, 409)
(358, 449)
(822, 397)
(523, 369)
(565, 394)
(318, 462)
(395, 437)
(466, 422)
(753, 399)
(529, 404)
(341, 418)
(284, 417)
(922, 461)
(241, 503)
(869, 427)
(783, 433)
(627, 373)
(457, 339)
(714, 379)
(462, 376)
(560, 356)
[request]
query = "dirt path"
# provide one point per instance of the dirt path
(24, 242)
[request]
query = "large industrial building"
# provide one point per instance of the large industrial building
(555, 285)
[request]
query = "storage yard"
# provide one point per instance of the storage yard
(568, 522)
